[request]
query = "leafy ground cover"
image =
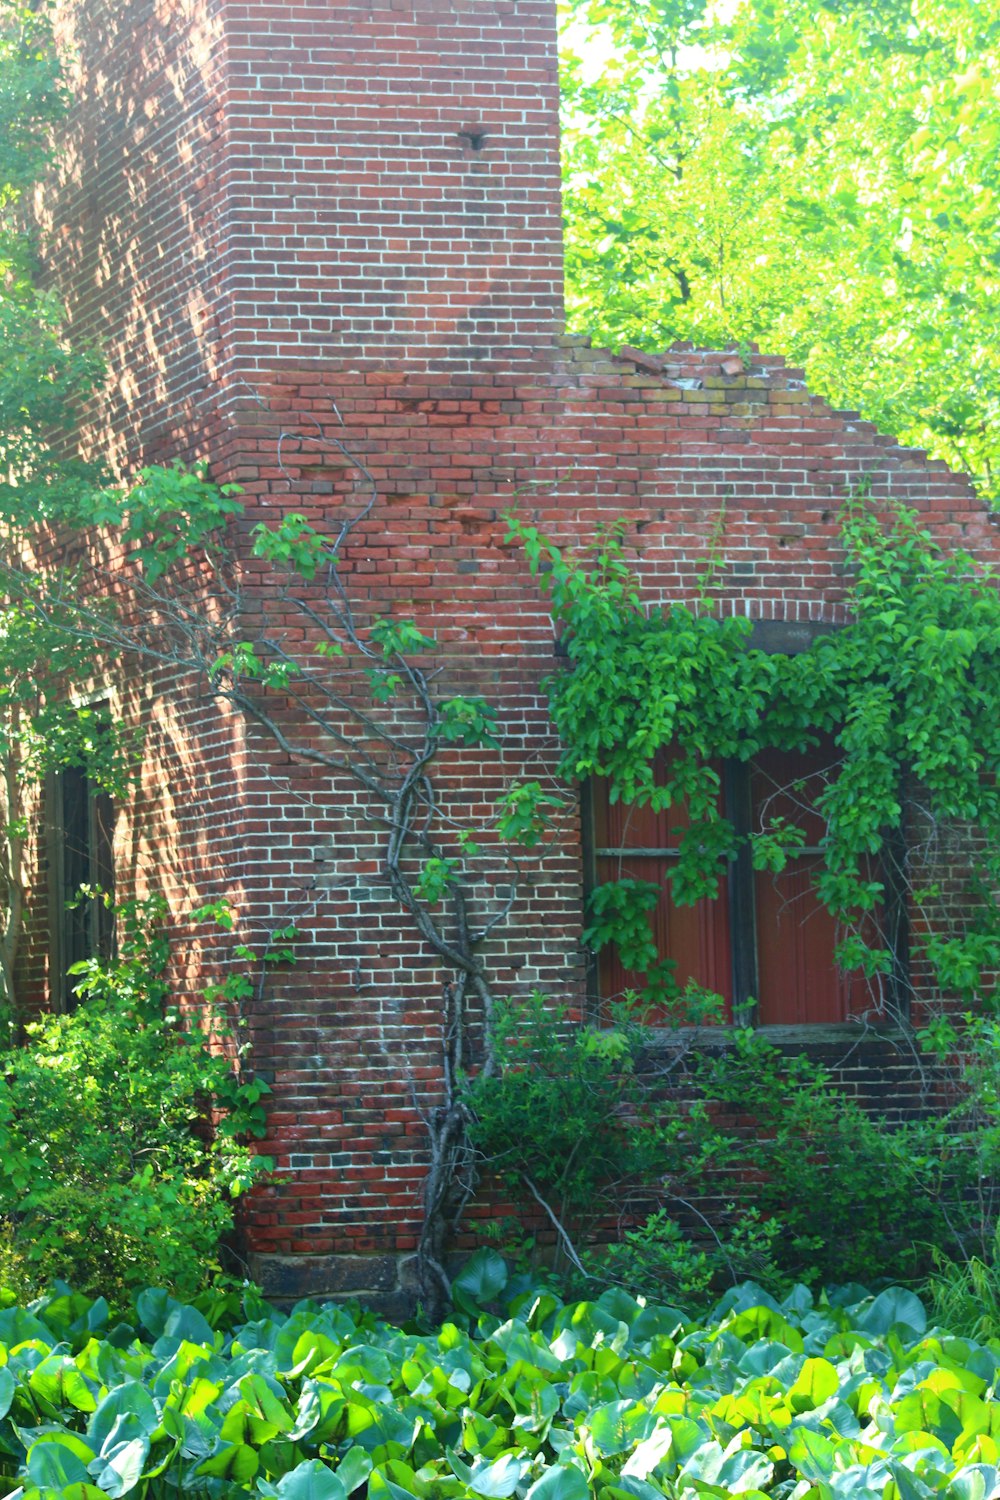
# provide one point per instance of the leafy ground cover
(844, 1395)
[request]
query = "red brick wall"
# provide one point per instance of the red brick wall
(136, 217)
(300, 227)
(244, 185)
(356, 1025)
(392, 181)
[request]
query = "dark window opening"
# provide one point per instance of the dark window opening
(82, 857)
(765, 944)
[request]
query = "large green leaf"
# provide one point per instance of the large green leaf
(266, 1399)
(235, 1461)
(310, 1480)
(354, 1468)
(895, 1306)
(814, 1455)
(619, 1425)
(58, 1382)
(119, 1469)
(480, 1281)
(562, 1482)
(495, 1480)
(816, 1382)
(154, 1306)
(55, 1463)
(127, 1411)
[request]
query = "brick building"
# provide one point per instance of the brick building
(320, 242)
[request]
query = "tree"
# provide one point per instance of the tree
(41, 376)
(820, 179)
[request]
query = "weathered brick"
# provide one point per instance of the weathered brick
(297, 228)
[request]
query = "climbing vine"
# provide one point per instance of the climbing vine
(358, 694)
(908, 691)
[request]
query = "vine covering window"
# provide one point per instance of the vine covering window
(905, 692)
(765, 944)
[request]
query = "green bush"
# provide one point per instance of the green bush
(852, 1194)
(798, 1184)
(560, 1108)
(660, 1259)
(110, 1174)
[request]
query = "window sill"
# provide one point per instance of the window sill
(802, 1036)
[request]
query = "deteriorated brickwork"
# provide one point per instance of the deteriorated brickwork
(310, 223)
(673, 451)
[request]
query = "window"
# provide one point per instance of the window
(81, 854)
(766, 944)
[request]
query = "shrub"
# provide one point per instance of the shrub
(110, 1176)
(798, 1184)
(853, 1195)
(660, 1259)
(560, 1109)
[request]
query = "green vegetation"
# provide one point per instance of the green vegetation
(908, 692)
(110, 1174)
(738, 1160)
(41, 377)
(835, 1397)
(757, 154)
(728, 1159)
(822, 178)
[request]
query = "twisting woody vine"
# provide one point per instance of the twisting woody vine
(358, 701)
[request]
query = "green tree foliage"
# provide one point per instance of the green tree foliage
(820, 178)
(41, 376)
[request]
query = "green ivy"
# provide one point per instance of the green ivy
(908, 690)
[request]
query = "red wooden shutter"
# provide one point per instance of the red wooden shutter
(634, 843)
(799, 982)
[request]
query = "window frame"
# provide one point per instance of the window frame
(100, 923)
(780, 638)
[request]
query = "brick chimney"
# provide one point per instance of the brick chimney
(250, 185)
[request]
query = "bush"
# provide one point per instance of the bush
(560, 1110)
(659, 1259)
(798, 1184)
(852, 1194)
(110, 1175)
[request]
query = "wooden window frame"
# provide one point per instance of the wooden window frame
(737, 807)
(99, 924)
